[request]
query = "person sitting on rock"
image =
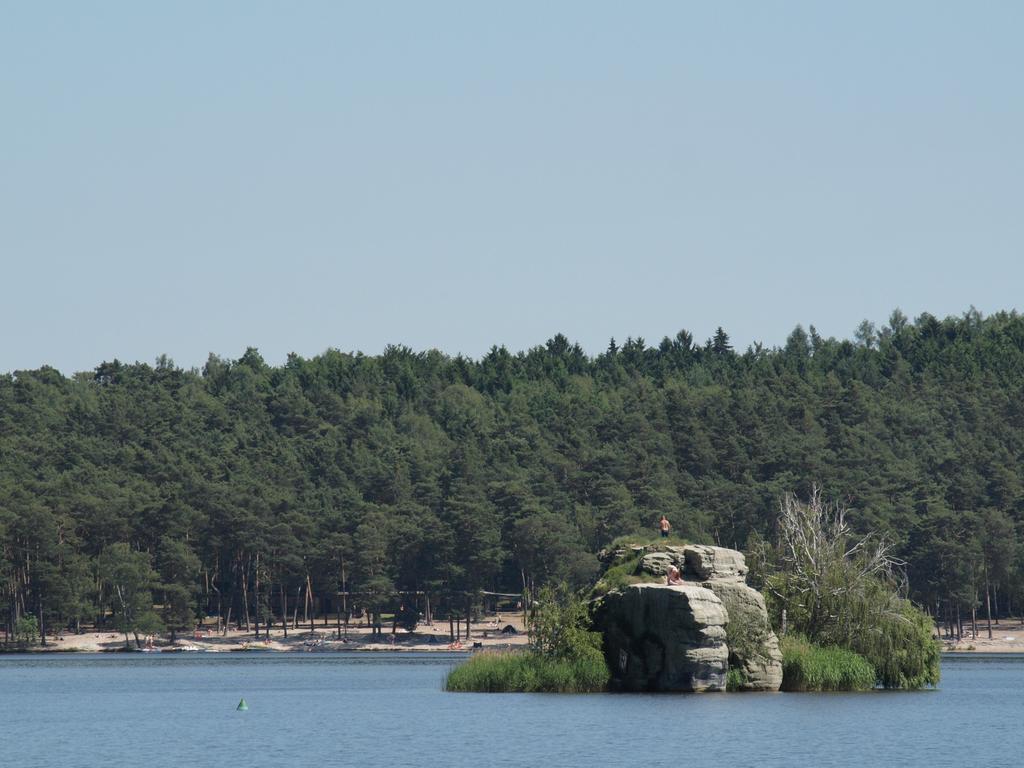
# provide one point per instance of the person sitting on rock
(674, 577)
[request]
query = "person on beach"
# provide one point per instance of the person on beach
(665, 526)
(674, 577)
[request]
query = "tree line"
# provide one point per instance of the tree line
(144, 496)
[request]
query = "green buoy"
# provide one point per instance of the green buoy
(242, 706)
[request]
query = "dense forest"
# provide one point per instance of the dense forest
(148, 496)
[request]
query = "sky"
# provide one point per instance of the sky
(191, 178)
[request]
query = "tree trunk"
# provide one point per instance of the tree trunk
(344, 593)
(256, 595)
(42, 625)
(220, 600)
(309, 600)
(988, 606)
(284, 610)
(245, 595)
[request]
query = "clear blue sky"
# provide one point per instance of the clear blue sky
(187, 178)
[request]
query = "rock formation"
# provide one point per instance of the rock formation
(753, 647)
(684, 638)
(706, 562)
(662, 638)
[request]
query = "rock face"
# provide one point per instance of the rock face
(684, 638)
(662, 638)
(657, 563)
(707, 562)
(753, 646)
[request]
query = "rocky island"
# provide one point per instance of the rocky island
(660, 637)
(669, 615)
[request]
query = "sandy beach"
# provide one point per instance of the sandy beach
(1007, 637)
(324, 637)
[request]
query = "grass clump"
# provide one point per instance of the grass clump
(735, 679)
(622, 574)
(808, 667)
(625, 569)
(564, 655)
(528, 672)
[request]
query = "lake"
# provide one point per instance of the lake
(115, 710)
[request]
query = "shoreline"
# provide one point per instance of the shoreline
(492, 635)
(1008, 637)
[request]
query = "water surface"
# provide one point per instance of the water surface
(158, 711)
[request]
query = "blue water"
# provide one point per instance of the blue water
(368, 709)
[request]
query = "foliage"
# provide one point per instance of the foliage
(903, 650)
(842, 591)
(808, 667)
(407, 617)
(735, 679)
(746, 635)
(624, 568)
(559, 625)
(130, 578)
(564, 655)
(179, 567)
(415, 471)
(26, 630)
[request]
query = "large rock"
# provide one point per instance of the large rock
(705, 562)
(661, 559)
(662, 638)
(697, 562)
(753, 647)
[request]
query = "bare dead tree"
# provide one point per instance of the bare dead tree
(829, 571)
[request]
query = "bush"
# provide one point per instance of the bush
(564, 655)
(26, 631)
(838, 590)
(407, 617)
(902, 649)
(808, 667)
(560, 626)
(735, 679)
